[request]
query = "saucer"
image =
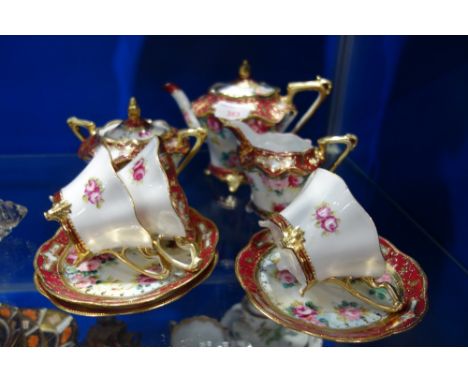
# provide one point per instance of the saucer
(97, 311)
(103, 283)
(326, 310)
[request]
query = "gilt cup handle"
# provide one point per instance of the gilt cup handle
(77, 124)
(200, 134)
(320, 85)
(349, 140)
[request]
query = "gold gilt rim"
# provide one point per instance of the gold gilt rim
(141, 301)
(260, 301)
(139, 308)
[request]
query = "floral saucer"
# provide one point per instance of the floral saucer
(327, 310)
(97, 311)
(104, 283)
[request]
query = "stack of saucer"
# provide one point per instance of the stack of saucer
(320, 268)
(128, 240)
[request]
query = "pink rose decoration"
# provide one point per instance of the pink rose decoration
(89, 265)
(294, 181)
(258, 126)
(323, 212)
(104, 257)
(286, 277)
(145, 280)
(214, 124)
(94, 197)
(81, 281)
(93, 192)
(139, 170)
(144, 133)
(233, 160)
(329, 224)
(275, 183)
(91, 186)
(278, 207)
(385, 278)
(350, 313)
(303, 311)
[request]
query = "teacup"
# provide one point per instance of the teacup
(160, 203)
(99, 214)
(278, 164)
(327, 235)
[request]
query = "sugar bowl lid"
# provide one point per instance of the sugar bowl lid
(244, 86)
(134, 127)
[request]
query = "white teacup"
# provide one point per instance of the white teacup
(326, 233)
(100, 213)
(160, 203)
(149, 186)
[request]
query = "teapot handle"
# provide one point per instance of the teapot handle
(76, 124)
(320, 85)
(200, 134)
(349, 140)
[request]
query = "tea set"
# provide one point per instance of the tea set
(128, 240)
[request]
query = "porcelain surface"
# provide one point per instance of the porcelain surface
(199, 331)
(249, 327)
(93, 196)
(148, 184)
(326, 310)
(104, 282)
(125, 138)
(340, 238)
(257, 104)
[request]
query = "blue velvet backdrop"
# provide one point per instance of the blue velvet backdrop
(405, 98)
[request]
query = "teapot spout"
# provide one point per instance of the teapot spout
(184, 104)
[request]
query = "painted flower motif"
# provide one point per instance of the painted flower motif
(329, 224)
(231, 159)
(303, 311)
(294, 181)
(275, 184)
(139, 170)
(385, 278)
(89, 265)
(325, 219)
(144, 133)
(323, 212)
(286, 278)
(81, 281)
(214, 124)
(93, 192)
(105, 257)
(278, 207)
(145, 280)
(308, 312)
(350, 313)
(258, 126)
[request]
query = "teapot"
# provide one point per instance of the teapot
(125, 139)
(259, 105)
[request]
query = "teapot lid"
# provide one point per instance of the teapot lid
(244, 86)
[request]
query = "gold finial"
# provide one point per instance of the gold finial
(134, 111)
(244, 70)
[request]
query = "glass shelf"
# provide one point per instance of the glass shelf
(29, 180)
